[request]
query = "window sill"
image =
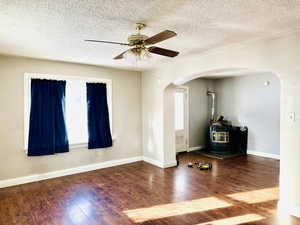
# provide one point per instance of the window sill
(79, 145)
(83, 145)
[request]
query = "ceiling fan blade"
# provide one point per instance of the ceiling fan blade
(163, 51)
(160, 37)
(108, 42)
(120, 56)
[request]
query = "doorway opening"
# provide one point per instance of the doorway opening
(181, 121)
(250, 101)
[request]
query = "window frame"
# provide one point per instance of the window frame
(27, 98)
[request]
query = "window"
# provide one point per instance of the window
(76, 112)
(76, 105)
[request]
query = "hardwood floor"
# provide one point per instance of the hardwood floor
(242, 190)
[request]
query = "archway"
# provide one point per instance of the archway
(278, 56)
(169, 137)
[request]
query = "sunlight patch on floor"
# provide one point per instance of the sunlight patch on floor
(257, 196)
(235, 220)
(175, 209)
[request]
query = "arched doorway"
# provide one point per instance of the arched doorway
(277, 55)
(169, 126)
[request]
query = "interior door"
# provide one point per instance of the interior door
(180, 109)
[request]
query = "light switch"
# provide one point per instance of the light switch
(292, 116)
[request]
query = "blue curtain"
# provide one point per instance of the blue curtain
(47, 127)
(98, 116)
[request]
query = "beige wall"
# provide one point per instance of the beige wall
(126, 117)
(280, 56)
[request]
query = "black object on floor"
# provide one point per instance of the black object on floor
(177, 159)
(190, 164)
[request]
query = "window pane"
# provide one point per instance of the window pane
(179, 110)
(76, 111)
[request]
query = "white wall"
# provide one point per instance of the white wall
(278, 55)
(246, 101)
(199, 111)
(169, 117)
(243, 100)
(127, 126)
(152, 101)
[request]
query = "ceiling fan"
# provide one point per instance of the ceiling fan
(138, 44)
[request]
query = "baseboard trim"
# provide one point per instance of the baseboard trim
(195, 148)
(159, 163)
(263, 154)
(170, 164)
(61, 173)
(295, 211)
(153, 162)
(82, 169)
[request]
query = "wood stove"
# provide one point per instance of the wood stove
(227, 139)
(219, 139)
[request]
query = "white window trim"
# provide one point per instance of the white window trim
(27, 98)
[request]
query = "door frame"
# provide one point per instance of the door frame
(187, 113)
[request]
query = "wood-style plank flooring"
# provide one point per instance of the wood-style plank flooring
(242, 190)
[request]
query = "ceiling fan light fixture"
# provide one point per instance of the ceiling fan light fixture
(145, 54)
(137, 54)
(139, 45)
(130, 55)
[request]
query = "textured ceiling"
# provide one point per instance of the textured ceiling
(55, 29)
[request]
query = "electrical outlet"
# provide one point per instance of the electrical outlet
(292, 116)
